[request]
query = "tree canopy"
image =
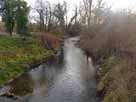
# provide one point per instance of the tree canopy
(15, 14)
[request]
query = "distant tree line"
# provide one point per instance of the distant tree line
(54, 17)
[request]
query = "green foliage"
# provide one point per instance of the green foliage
(21, 17)
(15, 13)
(15, 57)
(9, 15)
(107, 65)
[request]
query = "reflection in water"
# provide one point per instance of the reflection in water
(39, 79)
(74, 82)
(22, 86)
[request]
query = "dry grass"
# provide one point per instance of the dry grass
(116, 37)
(112, 38)
(119, 82)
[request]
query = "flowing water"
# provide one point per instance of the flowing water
(73, 81)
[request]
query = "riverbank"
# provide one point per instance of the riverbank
(113, 50)
(116, 74)
(117, 84)
(116, 77)
(17, 56)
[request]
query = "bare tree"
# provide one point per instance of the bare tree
(72, 23)
(93, 13)
(99, 11)
(60, 12)
(40, 9)
(45, 12)
(86, 11)
(55, 17)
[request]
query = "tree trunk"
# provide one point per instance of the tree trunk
(10, 33)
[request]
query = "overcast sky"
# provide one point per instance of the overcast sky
(116, 4)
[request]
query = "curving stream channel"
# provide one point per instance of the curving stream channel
(73, 81)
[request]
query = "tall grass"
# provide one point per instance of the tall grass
(115, 38)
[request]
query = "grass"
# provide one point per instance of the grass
(16, 56)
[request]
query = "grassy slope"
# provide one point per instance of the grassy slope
(15, 56)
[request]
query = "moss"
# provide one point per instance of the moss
(15, 56)
(107, 65)
(117, 95)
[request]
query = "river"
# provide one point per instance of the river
(72, 81)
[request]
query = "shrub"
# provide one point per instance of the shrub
(116, 37)
(49, 41)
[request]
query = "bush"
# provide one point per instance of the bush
(48, 40)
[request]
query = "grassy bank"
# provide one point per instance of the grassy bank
(16, 56)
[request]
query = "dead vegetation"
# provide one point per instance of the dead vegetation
(116, 38)
(49, 41)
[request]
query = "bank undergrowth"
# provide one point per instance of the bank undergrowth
(112, 46)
